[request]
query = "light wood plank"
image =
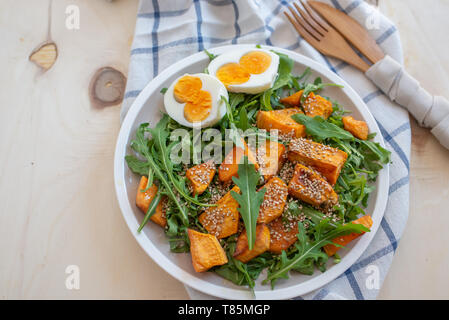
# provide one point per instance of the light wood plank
(419, 269)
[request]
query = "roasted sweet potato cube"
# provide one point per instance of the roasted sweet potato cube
(316, 105)
(230, 165)
(206, 251)
(273, 201)
(262, 244)
(358, 128)
(326, 160)
(222, 220)
(293, 100)
(282, 235)
(200, 176)
(159, 216)
(143, 200)
(330, 249)
(282, 121)
(313, 105)
(308, 186)
(271, 157)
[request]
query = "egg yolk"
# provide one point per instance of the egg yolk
(255, 62)
(187, 88)
(232, 73)
(198, 103)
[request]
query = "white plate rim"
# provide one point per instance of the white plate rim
(244, 293)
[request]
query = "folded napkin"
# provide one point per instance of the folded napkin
(430, 111)
(167, 31)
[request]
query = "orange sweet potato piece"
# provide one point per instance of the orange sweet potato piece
(282, 235)
(222, 220)
(271, 157)
(230, 165)
(262, 244)
(282, 121)
(159, 216)
(273, 201)
(330, 249)
(316, 105)
(326, 160)
(206, 251)
(143, 200)
(358, 128)
(200, 176)
(313, 105)
(308, 186)
(293, 100)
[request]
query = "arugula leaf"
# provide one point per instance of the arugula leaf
(283, 79)
(309, 252)
(305, 75)
(229, 109)
(313, 214)
(150, 212)
(317, 85)
(142, 146)
(243, 122)
(210, 55)
(235, 99)
(242, 273)
(159, 136)
(234, 132)
(382, 154)
(137, 166)
(284, 71)
(265, 99)
(321, 129)
(150, 179)
(249, 199)
(231, 273)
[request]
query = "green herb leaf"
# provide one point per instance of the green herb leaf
(308, 251)
(382, 154)
(284, 71)
(235, 99)
(137, 166)
(150, 212)
(321, 129)
(159, 136)
(265, 99)
(142, 145)
(317, 85)
(313, 214)
(243, 122)
(229, 109)
(164, 90)
(210, 55)
(249, 198)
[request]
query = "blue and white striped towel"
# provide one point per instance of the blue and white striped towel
(168, 31)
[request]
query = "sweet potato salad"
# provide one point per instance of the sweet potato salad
(252, 170)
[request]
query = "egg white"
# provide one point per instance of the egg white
(257, 83)
(211, 84)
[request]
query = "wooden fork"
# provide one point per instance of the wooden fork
(322, 36)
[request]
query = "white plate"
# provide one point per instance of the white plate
(152, 239)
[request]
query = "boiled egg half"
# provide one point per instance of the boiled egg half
(247, 71)
(195, 100)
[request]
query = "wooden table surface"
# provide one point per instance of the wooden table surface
(57, 200)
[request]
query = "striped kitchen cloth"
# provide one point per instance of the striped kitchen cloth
(167, 31)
